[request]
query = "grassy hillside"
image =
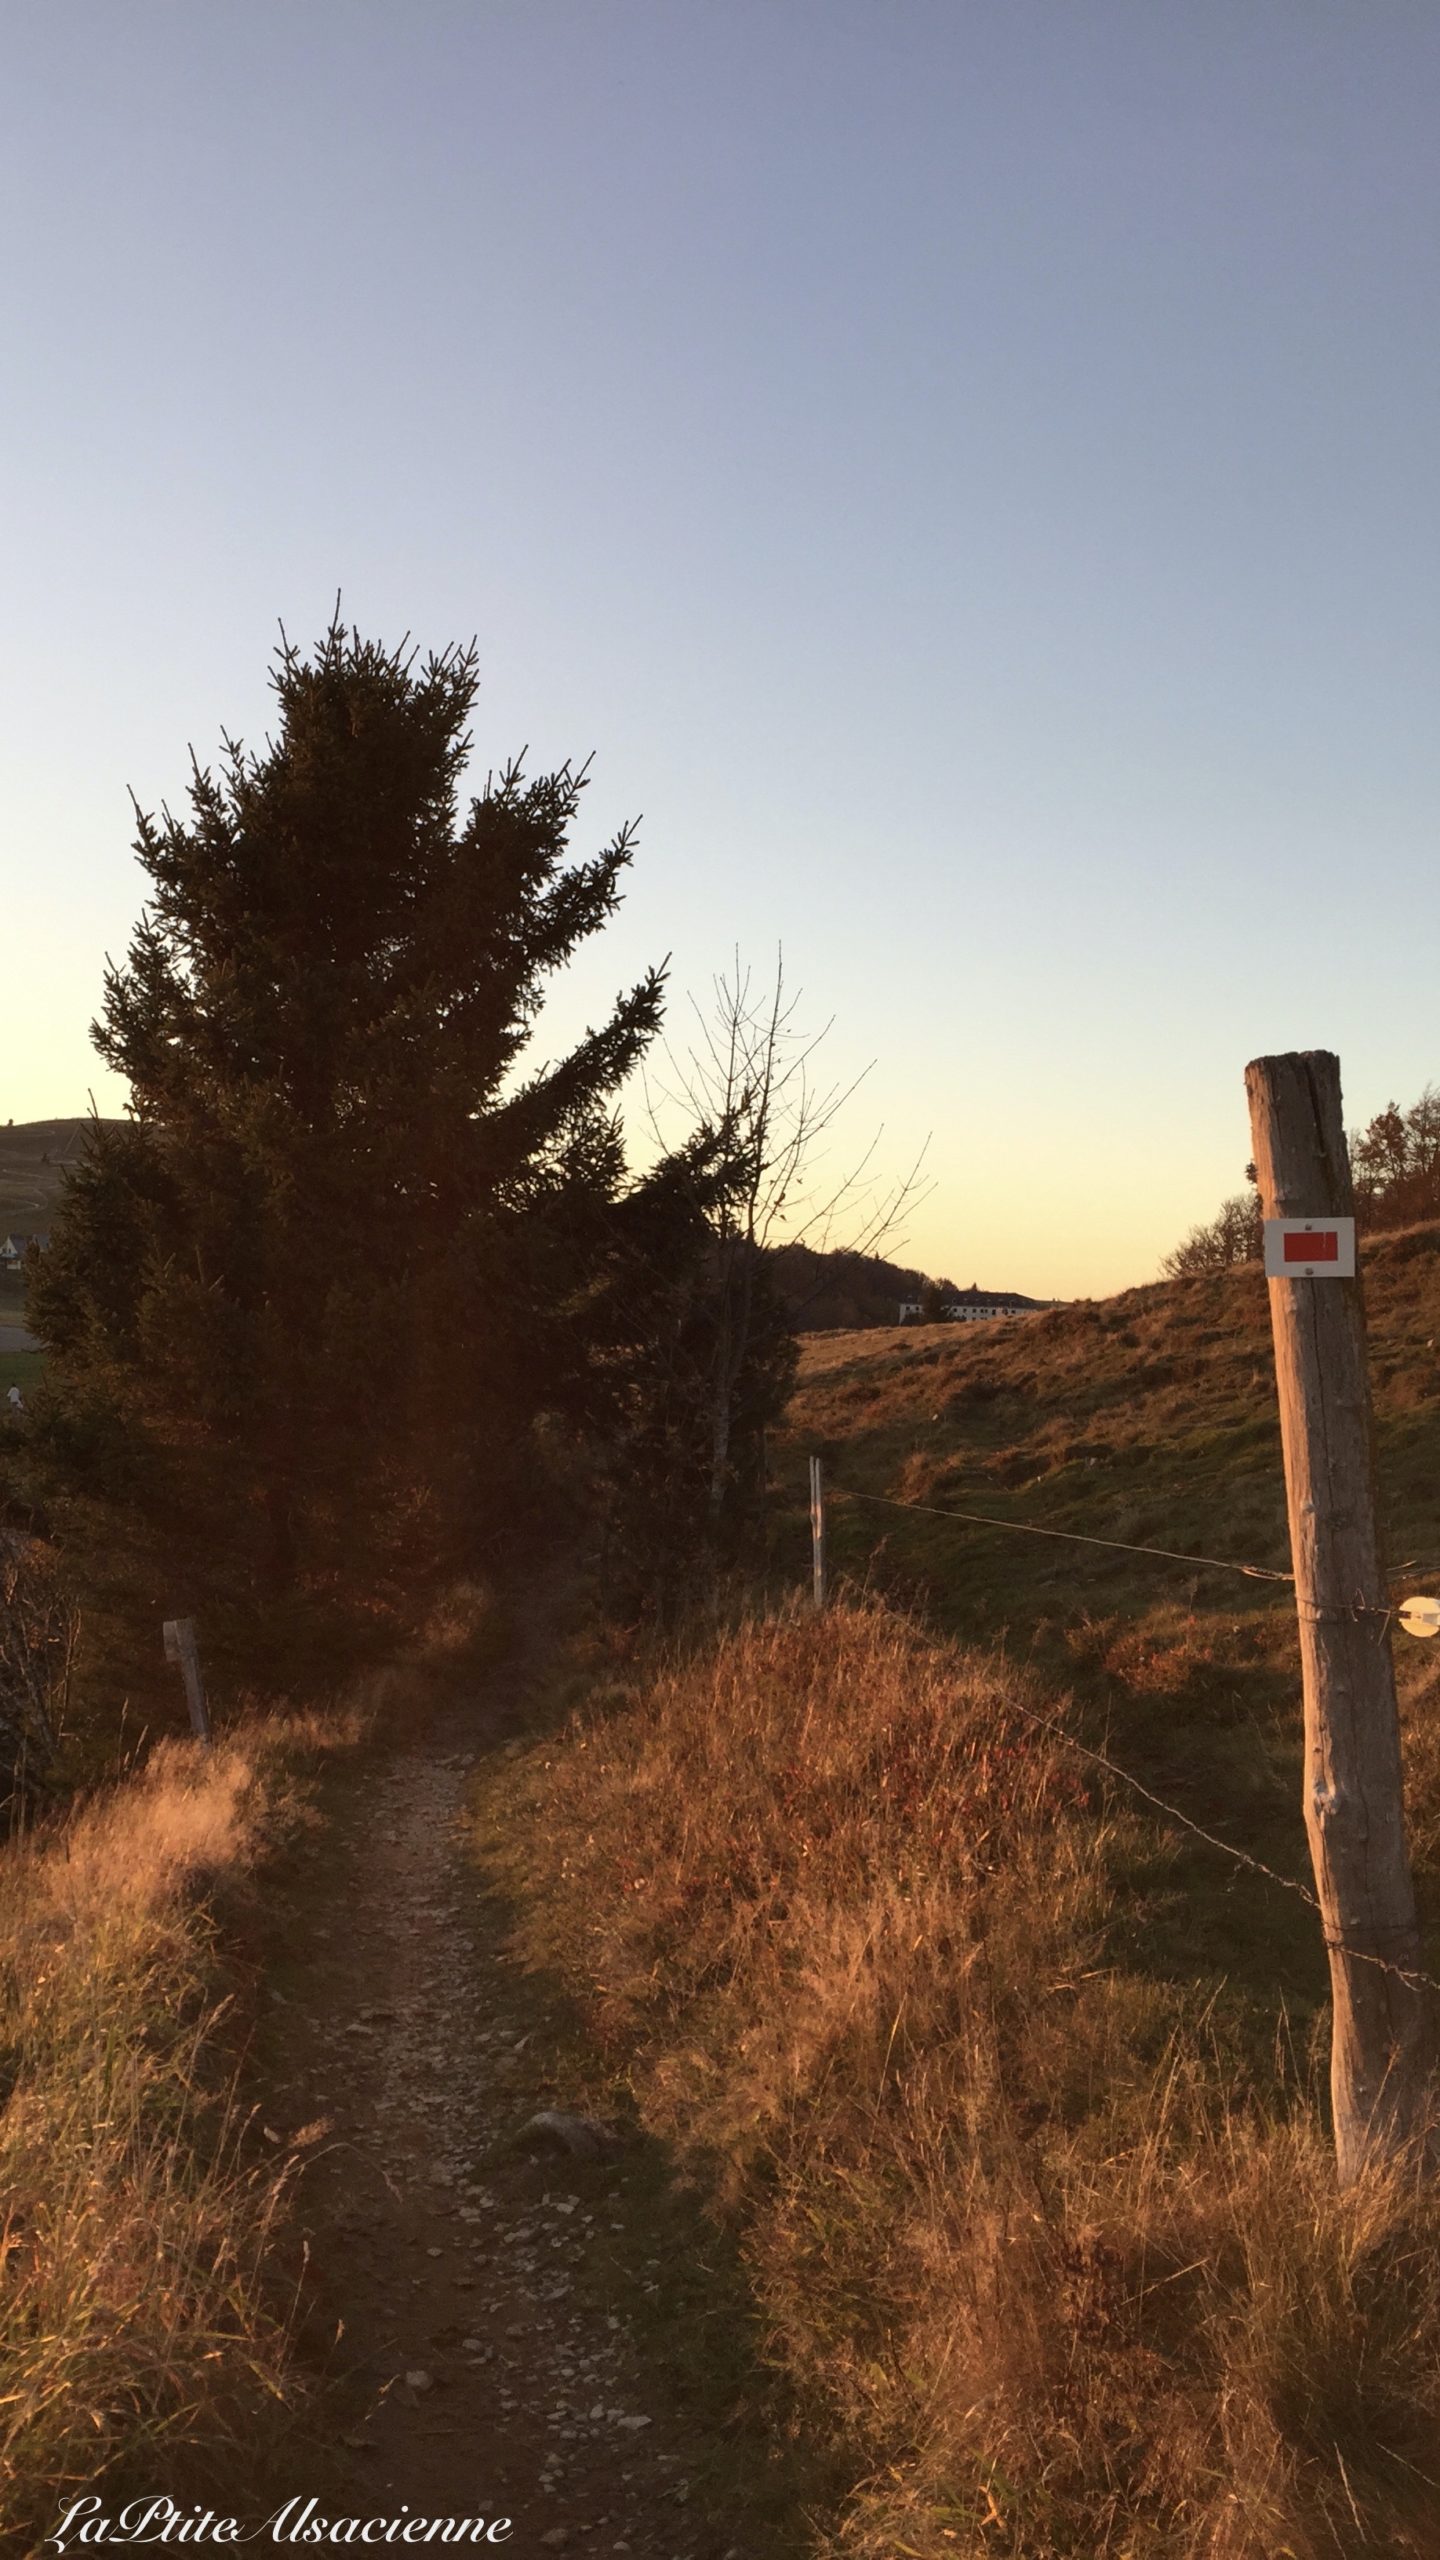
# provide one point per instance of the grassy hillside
(33, 1158)
(1150, 1417)
(144, 2318)
(1047, 2245)
(1013, 2089)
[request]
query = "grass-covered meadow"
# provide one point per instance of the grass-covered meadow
(1007, 2093)
(144, 2304)
(1047, 2243)
(1013, 2091)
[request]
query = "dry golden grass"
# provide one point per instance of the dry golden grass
(139, 2330)
(1148, 1417)
(1041, 2240)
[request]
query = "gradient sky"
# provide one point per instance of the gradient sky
(969, 472)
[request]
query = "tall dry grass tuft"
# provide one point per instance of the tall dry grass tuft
(138, 2331)
(1065, 2272)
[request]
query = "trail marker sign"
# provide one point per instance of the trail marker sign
(1419, 1617)
(1310, 1248)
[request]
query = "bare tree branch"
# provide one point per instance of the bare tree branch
(749, 1077)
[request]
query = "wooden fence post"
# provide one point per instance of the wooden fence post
(1354, 1810)
(182, 1646)
(817, 1528)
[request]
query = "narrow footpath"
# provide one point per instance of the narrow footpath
(487, 2301)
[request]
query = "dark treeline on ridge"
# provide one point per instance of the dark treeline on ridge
(824, 1291)
(821, 1288)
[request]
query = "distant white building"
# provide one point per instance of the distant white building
(13, 1250)
(975, 1306)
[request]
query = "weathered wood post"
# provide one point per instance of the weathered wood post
(182, 1646)
(817, 1529)
(1354, 1811)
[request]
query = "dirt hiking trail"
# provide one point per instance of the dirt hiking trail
(495, 2309)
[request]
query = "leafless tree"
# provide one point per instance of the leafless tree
(751, 1075)
(1232, 1237)
(1396, 1164)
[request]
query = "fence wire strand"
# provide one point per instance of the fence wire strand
(1224, 1564)
(1075, 1537)
(1227, 1848)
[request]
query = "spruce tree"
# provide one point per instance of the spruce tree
(305, 1307)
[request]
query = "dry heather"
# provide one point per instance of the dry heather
(139, 2333)
(1046, 2245)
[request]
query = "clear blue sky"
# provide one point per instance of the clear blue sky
(968, 471)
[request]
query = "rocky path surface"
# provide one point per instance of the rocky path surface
(484, 2298)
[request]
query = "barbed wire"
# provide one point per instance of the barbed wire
(1073, 1537)
(1309, 1609)
(1227, 1848)
(1050, 1724)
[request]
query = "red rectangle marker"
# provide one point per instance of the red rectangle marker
(1322, 1246)
(1310, 1249)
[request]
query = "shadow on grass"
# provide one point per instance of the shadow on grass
(658, 2262)
(666, 2261)
(1184, 1682)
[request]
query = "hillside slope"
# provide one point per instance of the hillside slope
(1013, 2086)
(34, 1155)
(1149, 1418)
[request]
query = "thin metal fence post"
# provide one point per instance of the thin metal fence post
(817, 1528)
(182, 1646)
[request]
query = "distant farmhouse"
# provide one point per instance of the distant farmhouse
(14, 1248)
(975, 1306)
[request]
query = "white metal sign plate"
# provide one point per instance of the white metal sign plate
(1419, 1617)
(1310, 1248)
